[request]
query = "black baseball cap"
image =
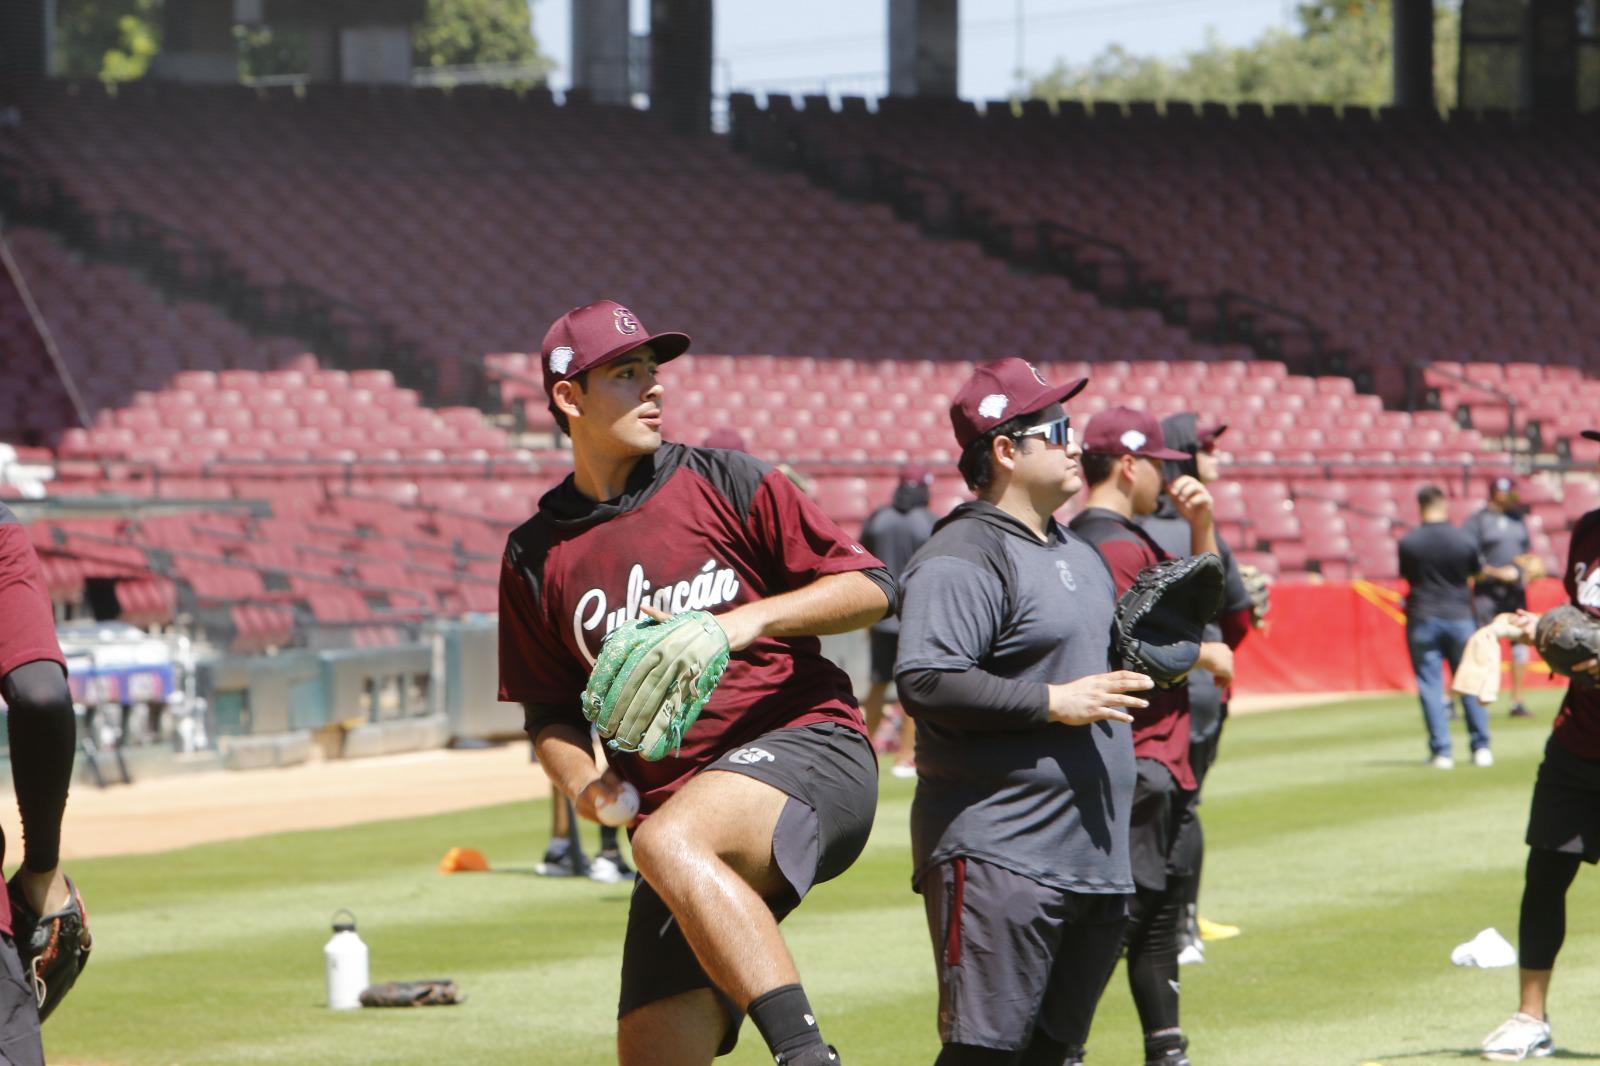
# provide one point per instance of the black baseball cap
(1592, 434)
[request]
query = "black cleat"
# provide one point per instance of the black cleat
(1519, 711)
(563, 862)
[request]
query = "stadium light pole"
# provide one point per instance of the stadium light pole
(1020, 55)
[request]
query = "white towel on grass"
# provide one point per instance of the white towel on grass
(1486, 950)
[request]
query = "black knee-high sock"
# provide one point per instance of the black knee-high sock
(1543, 925)
(785, 1019)
(1153, 944)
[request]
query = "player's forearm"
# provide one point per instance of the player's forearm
(837, 603)
(567, 758)
(974, 699)
(42, 734)
(1203, 536)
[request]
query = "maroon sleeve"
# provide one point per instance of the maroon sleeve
(1126, 558)
(1235, 627)
(800, 541)
(535, 666)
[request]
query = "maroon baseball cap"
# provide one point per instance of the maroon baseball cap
(1002, 390)
(589, 336)
(1124, 431)
(915, 474)
(1209, 433)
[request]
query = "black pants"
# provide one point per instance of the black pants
(1543, 925)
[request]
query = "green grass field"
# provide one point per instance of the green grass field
(1352, 868)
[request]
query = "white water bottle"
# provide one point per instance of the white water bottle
(346, 957)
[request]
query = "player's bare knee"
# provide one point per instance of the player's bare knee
(664, 843)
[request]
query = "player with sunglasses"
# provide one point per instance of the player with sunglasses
(1025, 768)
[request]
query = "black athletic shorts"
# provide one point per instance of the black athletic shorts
(885, 646)
(830, 774)
(1160, 809)
(19, 1012)
(1565, 815)
(1015, 957)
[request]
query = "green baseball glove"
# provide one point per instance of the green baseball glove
(651, 681)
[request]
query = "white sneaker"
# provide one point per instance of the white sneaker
(604, 870)
(1442, 762)
(1483, 757)
(1522, 1037)
(1191, 953)
(905, 770)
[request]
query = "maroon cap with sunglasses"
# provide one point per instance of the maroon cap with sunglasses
(594, 334)
(1124, 431)
(999, 391)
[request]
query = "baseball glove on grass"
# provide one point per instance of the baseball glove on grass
(54, 948)
(439, 992)
(1567, 636)
(652, 679)
(1161, 618)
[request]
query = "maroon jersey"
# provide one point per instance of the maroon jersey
(1578, 722)
(1161, 730)
(27, 624)
(695, 528)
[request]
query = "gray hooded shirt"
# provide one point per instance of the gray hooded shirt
(1048, 801)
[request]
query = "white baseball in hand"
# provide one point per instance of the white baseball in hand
(620, 811)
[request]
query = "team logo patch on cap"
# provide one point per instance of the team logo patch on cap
(626, 323)
(560, 359)
(1133, 440)
(993, 405)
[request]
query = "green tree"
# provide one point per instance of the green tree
(455, 32)
(109, 39)
(1338, 54)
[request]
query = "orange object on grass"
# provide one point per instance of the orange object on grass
(463, 860)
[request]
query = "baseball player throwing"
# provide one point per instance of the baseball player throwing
(773, 788)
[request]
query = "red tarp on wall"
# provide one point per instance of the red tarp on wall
(1346, 637)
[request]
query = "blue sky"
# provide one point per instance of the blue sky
(771, 44)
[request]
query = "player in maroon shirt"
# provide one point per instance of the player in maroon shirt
(1123, 452)
(42, 733)
(776, 784)
(1564, 822)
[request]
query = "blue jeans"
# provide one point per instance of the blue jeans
(1433, 641)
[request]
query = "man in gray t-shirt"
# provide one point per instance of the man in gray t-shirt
(1501, 534)
(1025, 767)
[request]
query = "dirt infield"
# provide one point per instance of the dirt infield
(185, 809)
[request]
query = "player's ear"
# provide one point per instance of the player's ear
(565, 395)
(1004, 453)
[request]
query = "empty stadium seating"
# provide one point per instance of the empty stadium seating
(114, 333)
(470, 224)
(1404, 240)
(266, 496)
